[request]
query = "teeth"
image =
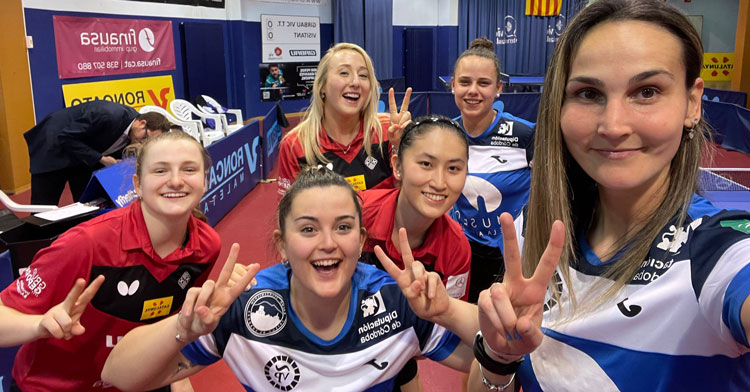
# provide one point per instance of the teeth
(351, 96)
(472, 102)
(325, 263)
(175, 194)
(433, 196)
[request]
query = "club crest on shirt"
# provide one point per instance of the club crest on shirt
(184, 280)
(265, 313)
(371, 162)
(372, 305)
(282, 372)
(156, 307)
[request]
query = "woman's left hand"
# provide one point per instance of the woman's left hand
(399, 118)
(424, 290)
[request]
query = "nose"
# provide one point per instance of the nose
(354, 81)
(327, 242)
(437, 181)
(175, 179)
(614, 121)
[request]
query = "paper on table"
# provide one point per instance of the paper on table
(66, 212)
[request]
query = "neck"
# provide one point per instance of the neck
(475, 126)
(622, 213)
(342, 129)
(166, 235)
(324, 317)
(416, 224)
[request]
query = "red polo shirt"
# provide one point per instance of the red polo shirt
(352, 162)
(445, 249)
(139, 288)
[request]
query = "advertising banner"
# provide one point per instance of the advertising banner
(234, 172)
(271, 140)
(290, 39)
(136, 92)
(279, 81)
(717, 67)
(106, 46)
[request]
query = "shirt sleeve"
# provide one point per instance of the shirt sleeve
(51, 275)
(202, 351)
(725, 291)
(288, 164)
(456, 276)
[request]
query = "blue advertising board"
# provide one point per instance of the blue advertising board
(271, 140)
(114, 183)
(233, 173)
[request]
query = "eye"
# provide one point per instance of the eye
(344, 227)
(191, 169)
(647, 92)
(307, 229)
(344, 73)
(159, 171)
(364, 76)
(589, 94)
(455, 169)
(424, 164)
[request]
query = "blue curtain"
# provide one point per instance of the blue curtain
(524, 44)
(369, 24)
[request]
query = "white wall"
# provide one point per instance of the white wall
(425, 12)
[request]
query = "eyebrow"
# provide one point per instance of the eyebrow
(430, 156)
(314, 219)
(635, 79)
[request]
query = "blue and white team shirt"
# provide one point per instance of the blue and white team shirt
(675, 327)
(498, 178)
(268, 348)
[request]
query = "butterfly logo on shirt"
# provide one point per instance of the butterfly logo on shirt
(125, 290)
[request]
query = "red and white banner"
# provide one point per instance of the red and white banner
(105, 46)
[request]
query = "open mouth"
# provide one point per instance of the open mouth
(174, 195)
(472, 101)
(326, 266)
(433, 196)
(351, 97)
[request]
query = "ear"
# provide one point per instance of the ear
(695, 103)
(278, 240)
(362, 238)
(453, 84)
(396, 165)
(137, 185)
(499, 88)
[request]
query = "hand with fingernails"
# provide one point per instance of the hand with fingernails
(204, 306)
(399, 118)
(424, 290)
(63, 321)
(510, 313)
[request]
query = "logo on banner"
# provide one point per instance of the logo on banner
(146, 39)
(265, 313)
(555, 29)
(302, 52)
(506, 34)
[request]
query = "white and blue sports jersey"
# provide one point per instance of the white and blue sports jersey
(269, 349)
(498, 178)
(675, 327)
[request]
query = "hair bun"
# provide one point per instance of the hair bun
(482, 43)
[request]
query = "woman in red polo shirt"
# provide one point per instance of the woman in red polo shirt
(341, 128)
(142, 259)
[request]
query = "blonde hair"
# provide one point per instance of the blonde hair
(560, 189)
(309, 130)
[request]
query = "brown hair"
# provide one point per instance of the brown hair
(560, 189)
(481, 47)
(309, 129)
(139, 151)
(155, 121)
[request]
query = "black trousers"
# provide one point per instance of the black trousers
(487, 267)
(46, 188)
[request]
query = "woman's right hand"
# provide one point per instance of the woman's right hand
(63, 321)
(510, 313)
(399, 118)
(204, 306)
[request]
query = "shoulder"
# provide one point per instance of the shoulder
(208, 239)
(453, 236)
(377, 197)
(372, 279)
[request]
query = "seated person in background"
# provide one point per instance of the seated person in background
(69, 144)
(151, 252)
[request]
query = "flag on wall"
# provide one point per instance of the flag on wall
(543, 7)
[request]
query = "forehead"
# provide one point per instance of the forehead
(476, 66)
(347, 57)
(172, 151)
(623, 47)
(323, 203)
(438, 142)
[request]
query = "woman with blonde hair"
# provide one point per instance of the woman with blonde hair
(341, 128)
(652, 291)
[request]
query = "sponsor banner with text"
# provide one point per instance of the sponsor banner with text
(136, 92)
(106, 46)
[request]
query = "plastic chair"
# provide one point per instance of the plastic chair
(214, 107)
(15, 207)
(193, 128)
(185, 110)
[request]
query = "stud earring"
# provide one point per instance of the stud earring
(498, 95)
(323, 96)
